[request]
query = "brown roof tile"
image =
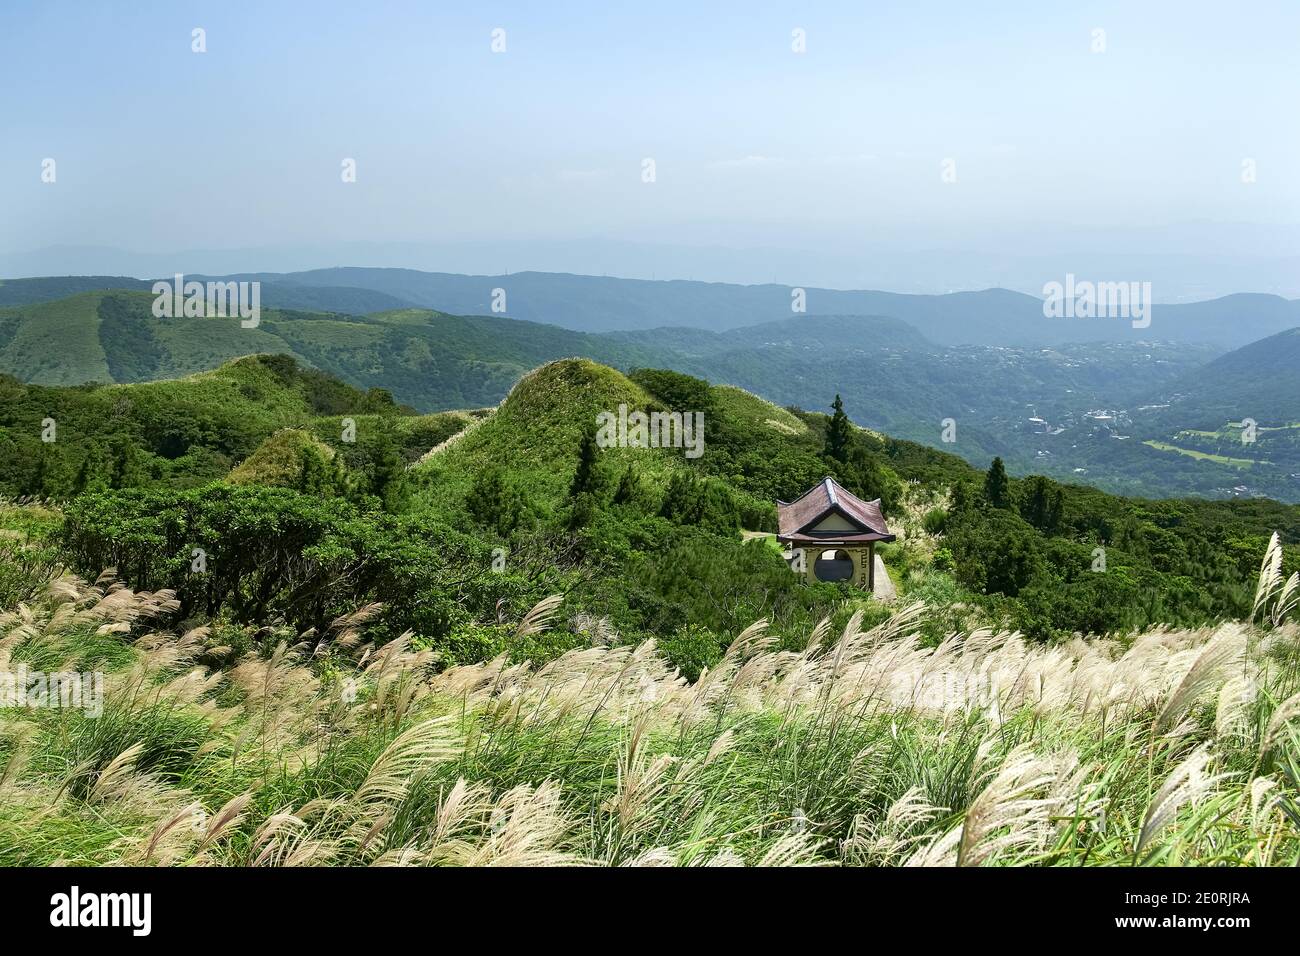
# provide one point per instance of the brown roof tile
(818, 501)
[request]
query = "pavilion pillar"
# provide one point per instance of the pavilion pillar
(811, 557)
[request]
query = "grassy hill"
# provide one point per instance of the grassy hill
(281, 459)
(894, 378)
(426, 359)
(58, 441)
(114, 337)
(1034, 407)
(263, 457)
(757, 451)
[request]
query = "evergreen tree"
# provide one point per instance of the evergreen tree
(1042, 504)
(681, 499)
(1055, 511)
(866, 478)
(90, 475)
(839, 431)
(960, 497)
(494, 503)
(997, 489)
(314, 474)
(127, 472)
(388, 474)
(84, 475)
(581, 510)
(586, 480)
(629, 487)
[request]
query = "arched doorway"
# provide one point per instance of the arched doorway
(833, 566)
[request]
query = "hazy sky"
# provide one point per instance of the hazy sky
(159, 148)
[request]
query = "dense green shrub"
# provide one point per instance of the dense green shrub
(263, 553)
(691, 649)
(935, 521)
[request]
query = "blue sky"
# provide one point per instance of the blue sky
(159, 148)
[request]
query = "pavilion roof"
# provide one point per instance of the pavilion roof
(796, 519)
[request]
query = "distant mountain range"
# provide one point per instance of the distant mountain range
(1185, 262)
(279, 294)
(605, 304)
(1140, 418)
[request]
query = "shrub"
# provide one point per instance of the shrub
(935, 521)
(691, 649)
(259, 554)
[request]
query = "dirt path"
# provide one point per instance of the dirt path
(884, 590)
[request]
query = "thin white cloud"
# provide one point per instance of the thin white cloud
(747, 162)
(580, 175)
(839, 159)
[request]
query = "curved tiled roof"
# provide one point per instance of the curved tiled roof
(795, 518)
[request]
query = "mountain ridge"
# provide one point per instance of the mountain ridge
(994, 316)
(1070, 410)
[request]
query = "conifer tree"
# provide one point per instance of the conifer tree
(586, 480)
(629, 487)
(388, 474)
(839, 431)
(997, 489)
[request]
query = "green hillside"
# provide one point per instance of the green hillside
(58, 441)
(1257, 381)
(516, 571)
(114, 337)
(375, 487)
(1236, 419)
(426, 359)
(55, 343)
(1079, 412)
(758, 453)
(284, 460)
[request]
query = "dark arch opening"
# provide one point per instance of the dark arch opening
(833, 566)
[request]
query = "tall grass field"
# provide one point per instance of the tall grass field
(264, 747)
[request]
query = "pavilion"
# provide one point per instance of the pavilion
(832, 534)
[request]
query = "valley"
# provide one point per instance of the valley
(1112, 414)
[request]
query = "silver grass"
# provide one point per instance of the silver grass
(1013, 811)
(1270, 574)
(411, 752)
(539, 618)
(1225, 649)
(1279, 722)
(1187, 784)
